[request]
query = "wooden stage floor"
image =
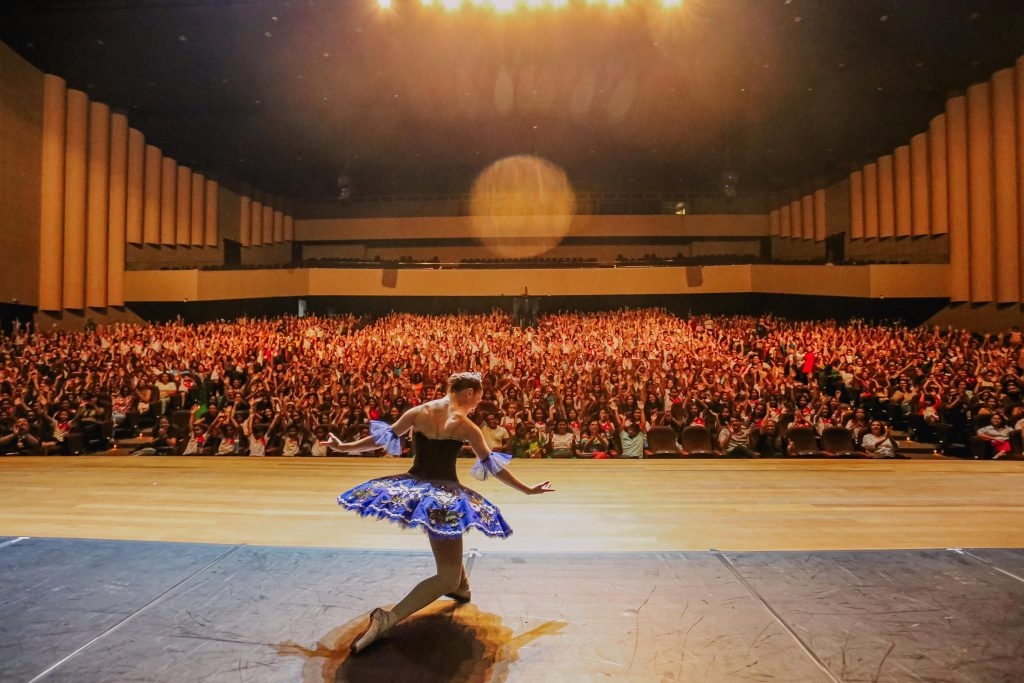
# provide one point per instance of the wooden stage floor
(599, 506)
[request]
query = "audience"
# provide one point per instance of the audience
(574, 385)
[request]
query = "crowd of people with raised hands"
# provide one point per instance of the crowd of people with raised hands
(589, 385)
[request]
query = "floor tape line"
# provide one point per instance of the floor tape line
(155, 601)
(782, 622)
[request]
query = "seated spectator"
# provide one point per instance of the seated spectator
(21, 440)
(563, 441)
(495, 435)
(735, 439)
(997, 434)
(878, 440)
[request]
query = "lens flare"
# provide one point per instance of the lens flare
(522, 206)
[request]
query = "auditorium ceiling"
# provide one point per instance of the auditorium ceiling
(289, 96)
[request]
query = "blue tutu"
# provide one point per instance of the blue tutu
(429, 495)
(445, 509)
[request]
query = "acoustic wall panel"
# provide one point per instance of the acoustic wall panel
(901, 168)
(857, 205)
(183, 207)
(938, 176)
(134, 201)
(1004, 172)
(871, 201)
(198, 217)
(956, 179)
(152, 185)
(210, 227)
(97, 206)
(245, 222)
(117, 229)
(980, 200)
(886, 197)
(168, 201)
(820, 216)
(920, 199)
(51, 216)
(75, 173)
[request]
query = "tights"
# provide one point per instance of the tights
(450, 577)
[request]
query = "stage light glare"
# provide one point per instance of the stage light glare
(615, 3)
(384, 4)
(427, 3)
(559, 4)
(451, 5)
(671, 4)
(534, 4)
(503, 6)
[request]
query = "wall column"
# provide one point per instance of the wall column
(51, 217)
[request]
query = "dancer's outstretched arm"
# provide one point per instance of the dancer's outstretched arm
(369, 443)
(475, 437)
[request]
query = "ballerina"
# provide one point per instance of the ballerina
(430, 496)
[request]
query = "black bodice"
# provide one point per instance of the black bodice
(435, 458)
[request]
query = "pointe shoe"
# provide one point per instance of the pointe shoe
(381, 621)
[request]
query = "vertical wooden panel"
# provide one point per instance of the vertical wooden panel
(774, 223)
(278, 226)
(807, 217)
(211, 230)
(245, 222)
(168, 201)
(183, 207)
(796, 218)
(268, 223)
(75, 170)
(919, 192)
(51, 215)
(871, 201)
(118, 211)
(152, 185)
(198, 212)
(857, 205)
(97, 206)
(136, 175)
(901, 164)
(786, 215)
(289, 228)
(956, 179)
(886, 197)
(1004, 169)
(820, 216)
(980, 199)
(256, 226)
(1019, 101)
(938, 176)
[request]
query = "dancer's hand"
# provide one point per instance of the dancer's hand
(333, 442)
(544, 487)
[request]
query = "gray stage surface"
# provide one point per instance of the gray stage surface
(77, 610)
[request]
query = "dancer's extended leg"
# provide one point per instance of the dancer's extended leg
(448, 558)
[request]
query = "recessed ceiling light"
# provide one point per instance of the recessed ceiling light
(797, 20)
(267, 34)
(99, 41)
(273, 18)
(884, 17)
(183, 38)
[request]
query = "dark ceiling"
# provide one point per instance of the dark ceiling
(288, 95)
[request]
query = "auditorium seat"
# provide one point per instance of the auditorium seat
(661, 442)
(697, 443)
(803, 443)
(838, 442)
